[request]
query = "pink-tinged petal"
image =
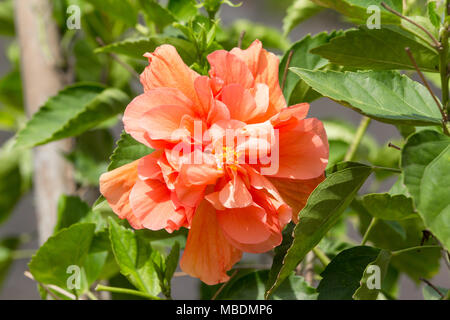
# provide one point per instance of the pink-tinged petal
(291, 115)
(116, 186)
(230, 69)
(208, 255)
(148, 167)
(264, 68)
(303, 150)
(151, 203)
(241, 102)
(218, 112)
(166, 122)
(167, 69)
(189, 196)
(262, 98)
(200, 174)
(235, 193)
(296, 192)
(146, 102)
(244, 225)
(204, 94)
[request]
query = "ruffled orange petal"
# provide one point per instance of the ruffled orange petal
(264, 68)
(167, 69)
(208, 255)
(116, 186)
(303, 150)
(151, 203)
(296, 192)
(230, 69)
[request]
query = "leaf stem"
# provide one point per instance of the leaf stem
(437, 45)
(432, 286)
(91, 295)
(286, 69)
(372, 224)
(396, 253)
(214, 297)
(443, 64)
(321, 256)
(363, 125)
(101, 287)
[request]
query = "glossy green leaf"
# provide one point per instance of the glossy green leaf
(297, 12)
(72, 111)
(172, 261)
(295, 90)
(385, 235)
(357, 9)
(385, 96)
(127, 150)
(134, 257)
(426, 166)
(342, 277)
(122, 10)
(389, 207)
(378, 49)
(432, 14)
(68, 247)
(374, 274)
(251, 286)
(323, 209)
(136, 48)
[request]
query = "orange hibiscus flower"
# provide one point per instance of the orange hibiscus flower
(232, 162)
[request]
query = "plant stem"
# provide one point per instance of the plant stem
(432, 286)
(365, 121)
(443, 63)
(91, 295)
(126, 291)
(396, 253)
(373, 222)
(214, 297)
(321, 256)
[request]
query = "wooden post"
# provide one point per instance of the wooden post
(42, 77)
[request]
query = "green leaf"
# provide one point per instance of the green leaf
(157, 14)
(7, 18)
(72, 111)
(389, 207)
(251, 286)
(385, 235)
(134, 257)
(127, 150)
(323, 209)
(90, 157)
(118, 9)
(7, 246)
(432, 14)
(378, 49)
(136, 48)
(368, 289)
(431, 294)
(71, 209)
(172, 261)
(357, 9)
(183, 10)
(299, 11)
(68, 247)
(341, 278)
(295, 90)
(386, 96)
(426, 166)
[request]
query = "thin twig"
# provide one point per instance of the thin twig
(437, 44)
(241, 38)
(427, 85)
(363, 125)
(223, 286)
(286, 68)
(119, 61)
(433, 287)
(391, 145)
(30, 276)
